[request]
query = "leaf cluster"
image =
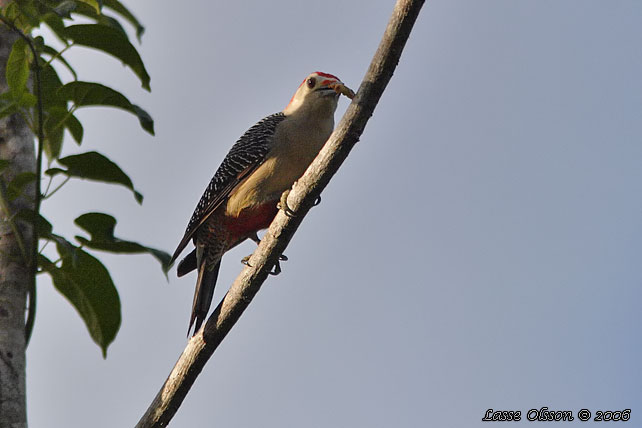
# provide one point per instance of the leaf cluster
(76, 273)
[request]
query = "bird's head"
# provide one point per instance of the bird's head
(316, 94)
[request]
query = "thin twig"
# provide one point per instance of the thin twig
(201, 347)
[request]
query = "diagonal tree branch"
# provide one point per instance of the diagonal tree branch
(201, 347)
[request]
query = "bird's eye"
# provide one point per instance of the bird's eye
(311, 82)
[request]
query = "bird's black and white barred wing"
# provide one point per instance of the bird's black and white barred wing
(244, 157)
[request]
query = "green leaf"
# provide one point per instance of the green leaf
(65, 8)
(97, 167)
(58, 118)
(17, 72)
(30, 15)
(57, 26)
(75, 128)
(44, 227)
(101, 227)
(95, 94)
(27, 100)
(11, 103)
(111, 22)
(16, 186)
(118, 7)
(111, 41)
(11, 11)
(86, 283)
(22, 14)
(99, 18)
(8, 106)
(45, 231)
(146, 121)
(54, 127)
(38, 43)
(50, 83)
(92, 3)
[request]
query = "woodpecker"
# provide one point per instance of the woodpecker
(242, 197)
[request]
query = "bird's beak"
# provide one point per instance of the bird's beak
(327, 90)
(336, 88)
(342, 89)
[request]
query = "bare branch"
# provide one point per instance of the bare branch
(201, 347)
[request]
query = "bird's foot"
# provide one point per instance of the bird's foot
(283, 204)
(275, 270)
(246, 260)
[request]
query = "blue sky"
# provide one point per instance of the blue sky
(480, 248)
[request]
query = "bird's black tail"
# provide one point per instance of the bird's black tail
(203, 295)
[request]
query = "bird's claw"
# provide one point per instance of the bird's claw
(276, 269)
(283, 204)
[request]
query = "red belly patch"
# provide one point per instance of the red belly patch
(251, 220)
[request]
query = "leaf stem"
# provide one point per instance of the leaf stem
(45, 196)
(58, 54)
(44, 246)
(48, 185)
(64, 119)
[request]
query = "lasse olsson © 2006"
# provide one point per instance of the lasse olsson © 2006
(544, 414)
